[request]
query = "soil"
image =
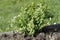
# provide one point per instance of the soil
(50, 32)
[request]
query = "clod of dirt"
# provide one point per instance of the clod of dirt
(41, 36)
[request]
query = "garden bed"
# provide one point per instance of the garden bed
(53, 33)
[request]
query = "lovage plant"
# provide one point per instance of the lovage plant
(32, 18)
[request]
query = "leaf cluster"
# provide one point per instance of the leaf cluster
(32, 18)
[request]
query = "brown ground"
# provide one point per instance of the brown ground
(40, 36)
